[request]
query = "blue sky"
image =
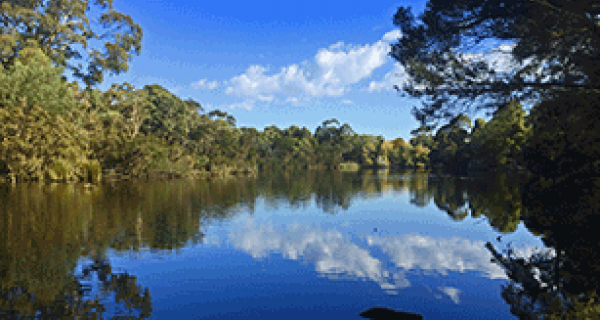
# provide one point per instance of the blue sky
(266, 63)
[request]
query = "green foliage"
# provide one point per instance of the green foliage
(168, 116)
(64, 31)
(555, 48)
(38, 143)
(500, 142)
(33, 78)
(450, 145)
(479, 124)
(332, 142)
(564, 135)
(349, 166)
(423, 137)
(132, 105)
(135, 132)
(363, 150)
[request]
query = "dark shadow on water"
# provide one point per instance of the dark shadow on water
(378, 313)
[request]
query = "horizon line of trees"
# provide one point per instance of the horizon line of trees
(54, 130)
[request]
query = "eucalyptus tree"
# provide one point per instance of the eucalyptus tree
(131, 106)
(264, 143)
(88, 38)
(247, 145)
(168, 116)
(304, 153)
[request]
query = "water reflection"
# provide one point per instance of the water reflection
(41, 243)
(383, 260)
(52, 234)
(564, 284)
(48, 229)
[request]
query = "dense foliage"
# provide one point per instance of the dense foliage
(543, 54)
(547, 46)
(68, 32)
(127, 131)
(54, 130)
(495, 54)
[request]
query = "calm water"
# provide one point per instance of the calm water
(309, 245)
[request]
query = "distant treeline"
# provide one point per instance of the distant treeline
(54, 130)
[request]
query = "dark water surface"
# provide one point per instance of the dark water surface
(306, 245)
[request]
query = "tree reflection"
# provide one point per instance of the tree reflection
(126, 297)
(495, 196)
(38, 258)
(75, 299)
(331, 190)
(559, 282)
(562, 285)
(48, 229)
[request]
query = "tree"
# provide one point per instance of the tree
(479, 124)
(554, 44)
(65, 31)
(132, 105)
(169, 117)
(398, 142)
(501, 141)
(450, 144)
(422, 137)
(38, 142)
(333, 141)
(564, 135)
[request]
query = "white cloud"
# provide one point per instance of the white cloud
(387, 261)
(392, 35)
(394, 77)
(205, 84)
(265, 98)
(331, 73)
(347, 101)
(293, 100)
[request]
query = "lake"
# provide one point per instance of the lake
(300, 245)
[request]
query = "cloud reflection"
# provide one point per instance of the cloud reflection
(440, 255)
(384, 260)
(452, 293)
(331, 254)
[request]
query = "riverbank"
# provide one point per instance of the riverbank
(111, 175)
